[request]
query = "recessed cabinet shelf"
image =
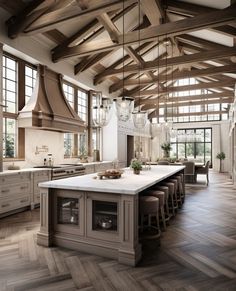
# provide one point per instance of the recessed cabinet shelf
(68, 210)
(104, 215)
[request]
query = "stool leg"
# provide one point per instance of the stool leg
(163, 217)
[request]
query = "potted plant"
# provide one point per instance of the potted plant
(221, 157)
(83, 155)
(166, 147)
(136, 165)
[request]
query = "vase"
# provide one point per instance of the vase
(136, 172)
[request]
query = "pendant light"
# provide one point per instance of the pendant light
(101, 112)
(173, 132)
(139, 117)
(124, 105)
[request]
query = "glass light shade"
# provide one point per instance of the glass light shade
(173, 133)
(124, 107)
(101, 115)
(139, 119)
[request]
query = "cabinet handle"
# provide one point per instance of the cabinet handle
(5, 205)
(5, 191)
(24, 200)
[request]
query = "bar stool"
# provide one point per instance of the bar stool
(176, 198)
(180, 192)
(164, 189)
(161, 196)
(149, 206)
(182, 189)
(172, 204)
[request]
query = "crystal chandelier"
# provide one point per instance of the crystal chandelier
(101, 113)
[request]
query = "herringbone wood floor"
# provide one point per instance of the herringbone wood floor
(197, 252)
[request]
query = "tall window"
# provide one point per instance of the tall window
(193, 144)
(10, 111)
(30, 79)
(182, 108)
(76, 144)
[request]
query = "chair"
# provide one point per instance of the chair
(189, 171)
(204, 170)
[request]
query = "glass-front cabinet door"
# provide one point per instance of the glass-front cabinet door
(69, 206)
(103, 216)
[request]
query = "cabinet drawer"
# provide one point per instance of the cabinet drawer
(41, 175)
(13, 191)
(14, 178)
(8, 205)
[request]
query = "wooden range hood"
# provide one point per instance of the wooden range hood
(48, 108)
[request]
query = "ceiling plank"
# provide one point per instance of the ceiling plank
(52, 19)
(175, 76)
(209, 85)
(151, 33)
(153, 65)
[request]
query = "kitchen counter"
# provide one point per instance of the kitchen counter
(97, 216)
(128, 184)
(7, 172)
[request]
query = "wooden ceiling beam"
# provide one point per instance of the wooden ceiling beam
(155, 114)
(200, 86)
(51, 20)
(199, 42)
(17, 24)
(152, 33)
(175, 76)
(190, 9)
(189, 98)
(189, 103)
(175, 61)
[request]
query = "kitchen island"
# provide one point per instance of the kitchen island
(97, 216)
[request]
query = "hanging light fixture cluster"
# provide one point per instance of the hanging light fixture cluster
(124, 105)
(102, 112)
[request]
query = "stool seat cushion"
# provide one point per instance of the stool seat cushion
(171, 187)
(156, 193)
(148, 205)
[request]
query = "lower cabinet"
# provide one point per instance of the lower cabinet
(15, 191)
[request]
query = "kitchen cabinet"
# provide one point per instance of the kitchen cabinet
(99, 167)
(38, 177)
(15, 191)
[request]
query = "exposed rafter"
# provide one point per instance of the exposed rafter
(175, 76)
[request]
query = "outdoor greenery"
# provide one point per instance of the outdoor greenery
(166, 147)
(9, 147)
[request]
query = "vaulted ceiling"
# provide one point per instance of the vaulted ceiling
(141, 47)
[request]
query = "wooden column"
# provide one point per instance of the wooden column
(1, 110)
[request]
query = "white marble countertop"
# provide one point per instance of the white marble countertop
(129, 183)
